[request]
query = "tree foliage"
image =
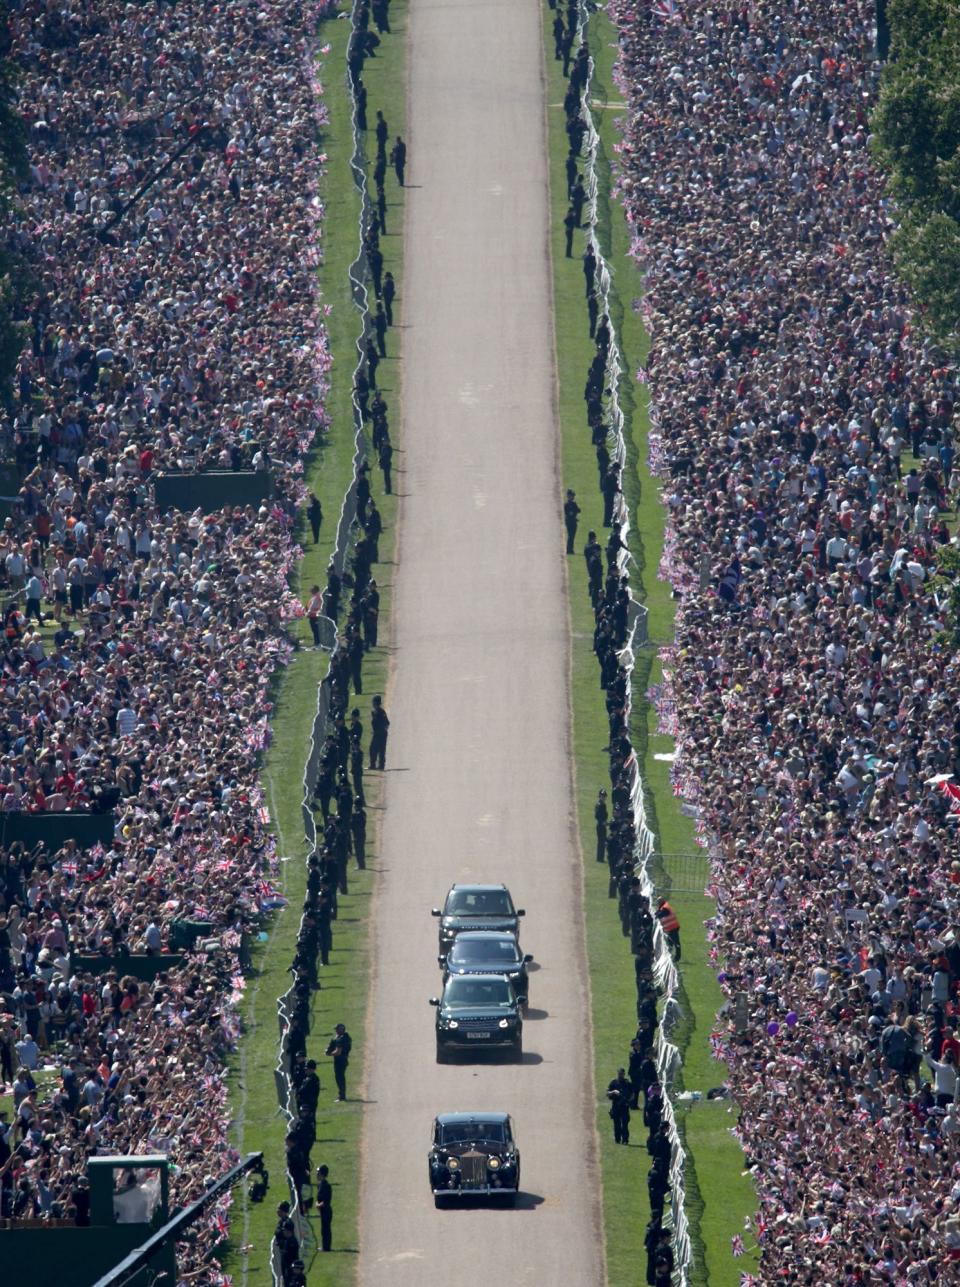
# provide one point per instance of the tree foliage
(916, 140)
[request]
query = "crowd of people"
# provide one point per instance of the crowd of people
(170, 223)
(805, 435)
(637, 1087)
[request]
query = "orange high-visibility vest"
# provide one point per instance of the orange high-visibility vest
(668, 918)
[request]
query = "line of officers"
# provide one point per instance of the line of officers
(637, 1088)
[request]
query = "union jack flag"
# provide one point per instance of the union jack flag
(736, 1245)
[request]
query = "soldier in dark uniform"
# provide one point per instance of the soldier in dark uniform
(635, 1071)
(385, 458)
(593, 555)
(358, 826)
(382, 132)
(600, 816)
(389, 294)
(371, 614)
(577, 199)
(324, 1206)
(620, 1093)
(379, 727)
(571, 512)
(315, 517)
(589, 264)
(339, 1047)
(380, 328)
(569, 223)
(398, 159)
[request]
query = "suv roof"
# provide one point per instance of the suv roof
(453, 1119)
(467, 936)
(472, 885)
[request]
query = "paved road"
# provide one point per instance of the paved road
(478, 768)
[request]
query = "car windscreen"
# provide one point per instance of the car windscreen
(465, 1132)
(478, 992)
(502, 950)
(479, 902)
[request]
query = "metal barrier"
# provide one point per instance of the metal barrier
(345, 525)
(669, 1060)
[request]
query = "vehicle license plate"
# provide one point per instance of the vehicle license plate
(477, 1036)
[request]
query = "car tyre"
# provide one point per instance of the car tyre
(443, 1055)
(439, 1202)
(518, 1053)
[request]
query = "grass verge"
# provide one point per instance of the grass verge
(258, 1123)
(719, 1197)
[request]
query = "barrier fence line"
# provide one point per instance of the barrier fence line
(666, 978)
(345, 526)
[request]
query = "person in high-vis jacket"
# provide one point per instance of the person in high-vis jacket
(670, 925)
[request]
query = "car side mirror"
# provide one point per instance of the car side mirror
(441, 961)
(434, 911)
(434, 1000)
(528, 958)
(521, 911)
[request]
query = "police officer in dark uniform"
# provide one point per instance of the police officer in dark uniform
(620, 1093)
(325, 1206)
(339, 1047)
(571, 512)
(379, 726)
(600, 816)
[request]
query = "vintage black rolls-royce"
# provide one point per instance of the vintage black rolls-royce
(474, 1155)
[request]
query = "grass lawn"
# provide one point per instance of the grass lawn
(718, 1196)
(343, 996)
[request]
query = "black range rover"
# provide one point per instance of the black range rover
(476, 907)
(473, 1155)
(478, 1012)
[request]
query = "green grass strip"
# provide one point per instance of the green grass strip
(343, 996)
(719, 1197)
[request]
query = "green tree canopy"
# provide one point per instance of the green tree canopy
(916, 140)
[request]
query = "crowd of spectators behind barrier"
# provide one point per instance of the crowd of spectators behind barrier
(637, 1086)
(805, 435)
(338, 794)
(170, 222)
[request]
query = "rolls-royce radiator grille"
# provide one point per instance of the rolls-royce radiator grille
(473, 1168)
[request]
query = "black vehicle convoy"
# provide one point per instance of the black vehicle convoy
(473, 1155)
(488, 952)
(476, 907)
(478, 1012)
(484, 985)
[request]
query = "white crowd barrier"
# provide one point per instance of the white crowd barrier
(666, 978)
(345, 530)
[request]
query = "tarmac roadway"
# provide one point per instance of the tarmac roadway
(478, 768)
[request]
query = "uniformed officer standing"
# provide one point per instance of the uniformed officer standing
(571, 511)
(600, 816)
(620, 1093)
(671, 926)
(379, 726)
(339, 1047)
(325, 1206)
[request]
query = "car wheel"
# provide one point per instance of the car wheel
(438, 1202)
(510, 1198)
(518, 1053)
(443, 1055)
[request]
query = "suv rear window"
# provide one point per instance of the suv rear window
(479, 902)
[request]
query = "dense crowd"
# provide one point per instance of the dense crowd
(805, 434)
(170, 222)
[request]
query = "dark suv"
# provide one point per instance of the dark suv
(478, 1012)
(476, 907)
(473, 1155)
(488, 952)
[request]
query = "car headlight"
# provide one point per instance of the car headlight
(452, 1023)
(453, 1164)
(493, 1163)
(504, 1023)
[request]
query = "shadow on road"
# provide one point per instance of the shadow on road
(536, 1014)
